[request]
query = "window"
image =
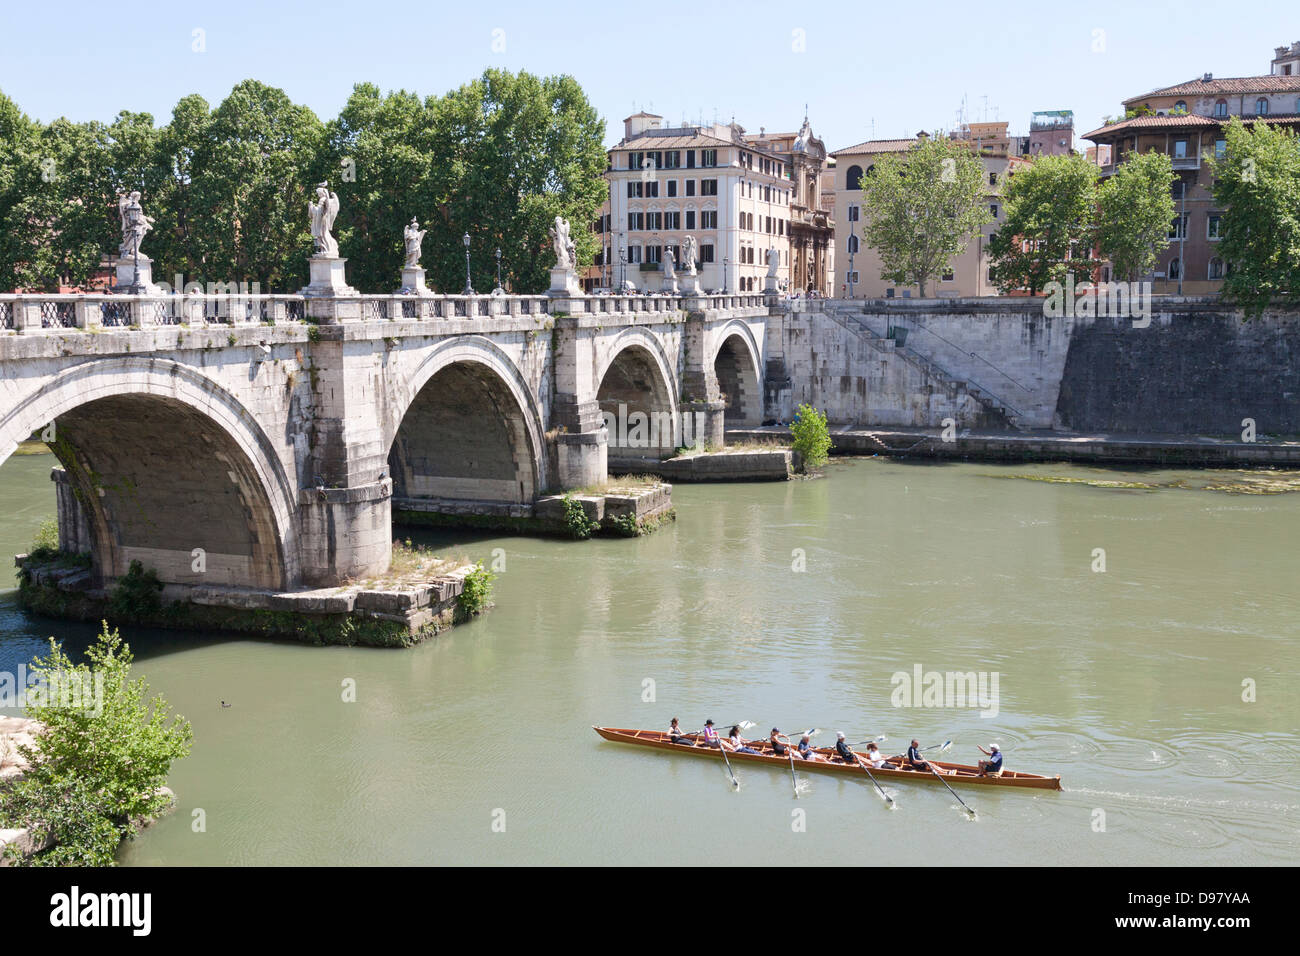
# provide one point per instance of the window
(708, 187)
(652, 189)
(672, 188)
(634, 254)
(709, 219)
(690, 159)
(633, 189)
(690, 219)
(1178, 229)
(1261, 106)
(672, 220)
(1220, 148)
(769, 224)
(993, 208)
(708, 157)
(635, 160)
(853, 178)
(853, 277)
(672, 159)
(706, 252)
(1221, 108)
(853, 213)
(1215, 270)
(654, 221)
(635, 221)
(1180, 106)
(1214, 226)
(853, 245)
(947, 275)
(1175, 268)
(889, 293)
(1180, 149)
(993, 179)
(653, 253)
(690, 187)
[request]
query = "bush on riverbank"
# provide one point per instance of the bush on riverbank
(98, 769)
(812, 437)
(476, 594)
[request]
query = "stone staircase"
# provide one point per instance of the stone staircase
(995, 412)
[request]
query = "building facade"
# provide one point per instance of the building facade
(811, 240)
(732, 195)
(1186, 122)
(860, 276)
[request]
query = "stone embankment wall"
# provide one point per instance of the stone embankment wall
(1191, 367)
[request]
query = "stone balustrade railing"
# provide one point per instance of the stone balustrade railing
(44, 312)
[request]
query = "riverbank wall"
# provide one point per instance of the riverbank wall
(1191, 367)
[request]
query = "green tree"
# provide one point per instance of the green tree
(18, 135)
(94, 770)
(922, 209)
(381, 149)
(1049, 229)
(511, 151)
(1257, 183)
(811, 437)
(1134, 209)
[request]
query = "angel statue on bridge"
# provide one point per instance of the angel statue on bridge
(413, 236)
(690, 254)
(566, 254)
(323, 212)
(134, 224)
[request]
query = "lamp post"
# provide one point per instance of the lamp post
(622, 269)
(851, 238)
(499, 268)
(469, 289)
(726, 263)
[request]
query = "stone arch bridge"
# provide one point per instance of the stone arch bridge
(276, 433)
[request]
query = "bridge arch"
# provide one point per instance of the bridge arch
(637, 392)
(165, 461)
(737, 368)
(468, 428)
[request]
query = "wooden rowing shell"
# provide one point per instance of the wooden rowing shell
(961, 774)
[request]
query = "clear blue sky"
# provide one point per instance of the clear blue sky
(904, 65)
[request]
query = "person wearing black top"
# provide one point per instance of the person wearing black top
(843, 749)
(775, 739)
(916, 762)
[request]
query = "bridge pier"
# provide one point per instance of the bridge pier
(581, 439)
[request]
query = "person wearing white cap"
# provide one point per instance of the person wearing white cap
(993, 766)
(843, 749)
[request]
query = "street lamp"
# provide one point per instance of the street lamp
(469, 289)
(726, 262)
(499, 268)
(622, 269)
(851, 238)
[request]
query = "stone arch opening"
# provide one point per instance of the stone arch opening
(636, 402)
(154, 479)
(738, 383)
(465, 437)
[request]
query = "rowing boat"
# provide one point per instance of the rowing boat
(953, 773)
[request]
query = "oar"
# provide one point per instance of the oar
(734, 782)
(888, 799)
(950, 789)
(874, 740)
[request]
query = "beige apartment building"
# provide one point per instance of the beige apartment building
(665, 183)
(1186, 122)
(859, 276)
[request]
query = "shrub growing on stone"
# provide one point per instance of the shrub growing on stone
(575, 519)
(136, 595)
(812, 438)
(476, 595)
(98, 768)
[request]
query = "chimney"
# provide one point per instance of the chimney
(1207, 77)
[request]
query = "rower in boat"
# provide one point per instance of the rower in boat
(779, 741)
(993, 766)
(736, 744)
(914, 760)
(874, 757)
(675, 734)
(842, 748)
(710, 735)
(805, 748)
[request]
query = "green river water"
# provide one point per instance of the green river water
(1127, 682)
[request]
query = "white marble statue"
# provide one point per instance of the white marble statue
(773, 263)
(134, 224)
(690, 254)
(413, 236)
(323, 212)
(669, 271)
(566, 254)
